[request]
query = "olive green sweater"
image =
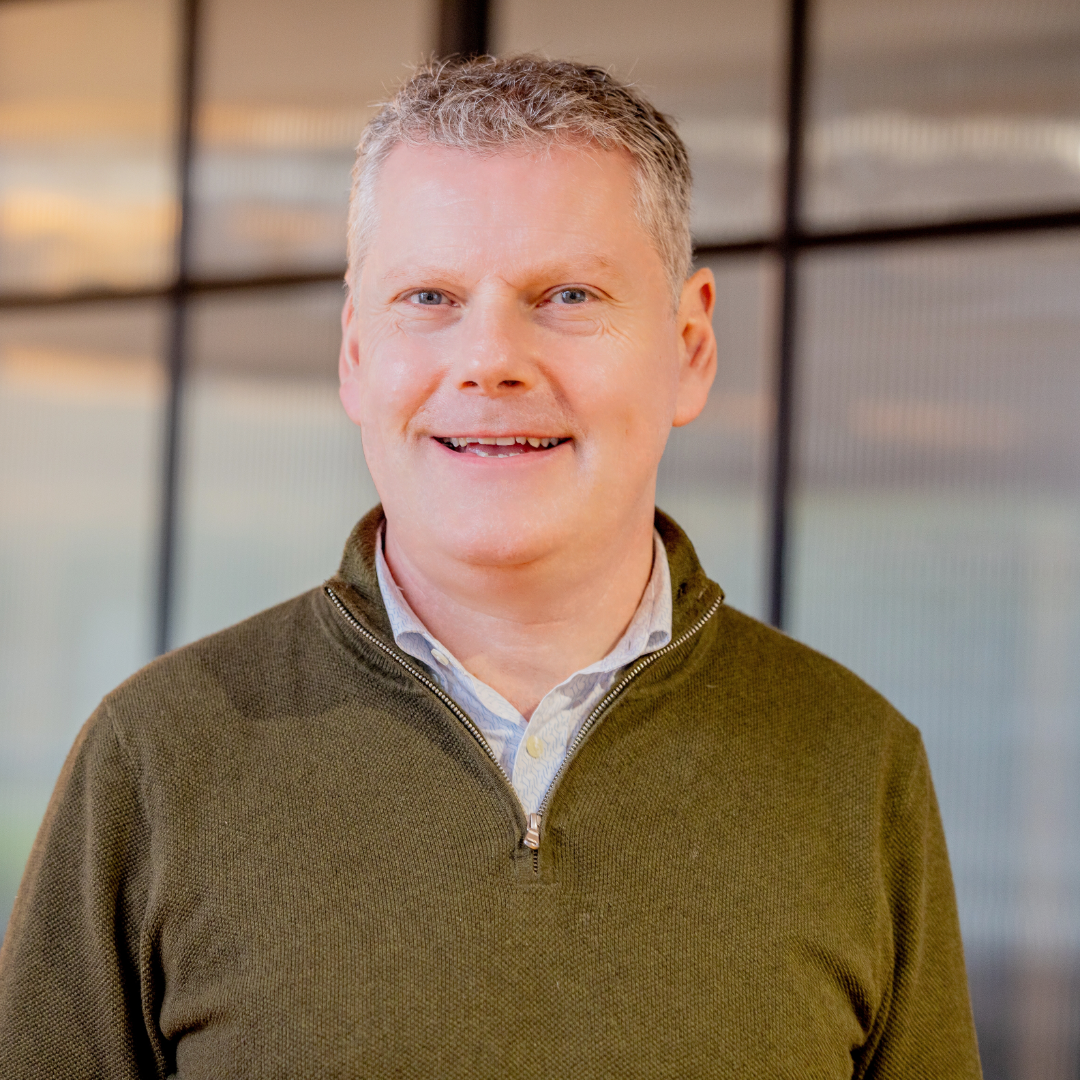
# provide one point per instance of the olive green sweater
(277, 853)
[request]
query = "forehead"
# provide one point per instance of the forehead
(584, 165)
(559, 200)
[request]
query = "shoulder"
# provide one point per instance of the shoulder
(804, 707)
(270, 665)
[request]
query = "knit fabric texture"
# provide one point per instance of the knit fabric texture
(277, 853)
(562, 711)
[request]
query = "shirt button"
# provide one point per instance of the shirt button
(535, 746)
(440, 658)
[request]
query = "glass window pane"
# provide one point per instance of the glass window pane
(939, 108)
(286, 89)
(712, 478)
(87, 192)
(714, 66)
(273, 475)
(937, 553)
(81, 394)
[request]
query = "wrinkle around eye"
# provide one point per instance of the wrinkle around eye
(577, 319)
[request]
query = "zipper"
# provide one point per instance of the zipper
(532, 821)
(433, 686)
(532, 836)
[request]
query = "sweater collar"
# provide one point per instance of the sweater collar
(691, 591)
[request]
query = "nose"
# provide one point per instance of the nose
(491, 355)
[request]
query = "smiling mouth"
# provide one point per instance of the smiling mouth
(501, 446)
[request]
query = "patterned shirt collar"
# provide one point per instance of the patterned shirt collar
(531, 752)
(649, 629)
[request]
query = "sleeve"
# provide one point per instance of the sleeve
(924, 1027)
(71, 993)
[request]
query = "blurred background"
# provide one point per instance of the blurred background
(889, 465)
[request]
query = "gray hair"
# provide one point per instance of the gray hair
(487, 105)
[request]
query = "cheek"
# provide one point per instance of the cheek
(393, 383)
(631, 394)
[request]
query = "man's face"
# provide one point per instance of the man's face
(516, 298)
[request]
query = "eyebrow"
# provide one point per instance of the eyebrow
(433, 272)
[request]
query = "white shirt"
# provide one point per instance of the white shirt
(531, 751)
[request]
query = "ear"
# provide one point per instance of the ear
(349, 363)
(697, 345)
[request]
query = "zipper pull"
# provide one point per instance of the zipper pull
(532, 833)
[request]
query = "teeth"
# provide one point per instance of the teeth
(461, 441)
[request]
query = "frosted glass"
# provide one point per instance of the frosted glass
(937, 553)
(286, 89)
(940, 108)
(273, 473)
(87, 117)
(80, 406)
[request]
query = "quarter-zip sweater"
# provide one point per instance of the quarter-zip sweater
(530, 752)
(283, 851)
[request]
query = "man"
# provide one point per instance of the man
(514, 794)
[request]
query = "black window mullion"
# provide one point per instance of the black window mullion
(177, 342)
(784, 373)
(464, 28)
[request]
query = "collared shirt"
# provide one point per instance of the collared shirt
(531, 751)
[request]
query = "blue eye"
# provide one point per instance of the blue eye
(428, 297)
(573, 296)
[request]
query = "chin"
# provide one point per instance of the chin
(497, 532)
(497, 541)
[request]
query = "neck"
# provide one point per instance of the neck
(524, 629)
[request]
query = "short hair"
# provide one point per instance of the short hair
(488, 105)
